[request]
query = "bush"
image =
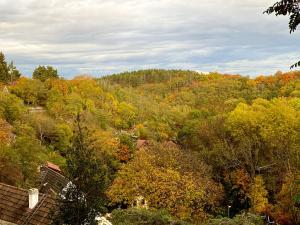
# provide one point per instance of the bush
(244, 219)
(136, 216)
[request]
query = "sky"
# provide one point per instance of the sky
(101, 37)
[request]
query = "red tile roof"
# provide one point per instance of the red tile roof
(140, 143)
(53, 166)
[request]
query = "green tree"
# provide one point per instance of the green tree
(32, 92)
(8, 72)
(3, 69)
(44, 73)
(13, 73)
(11, 107)
(243, 219)
(84, 198)
(143, 217)
(30, 155)
(10, 169)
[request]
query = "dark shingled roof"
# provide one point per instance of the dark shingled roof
(14, 207)
(52, 180)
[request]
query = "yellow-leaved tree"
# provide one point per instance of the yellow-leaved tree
(5, 132)
(258, 195)
(168, 178)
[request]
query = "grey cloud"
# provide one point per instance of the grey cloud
(107, 36)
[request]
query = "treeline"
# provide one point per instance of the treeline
(189, 144)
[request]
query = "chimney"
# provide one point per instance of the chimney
(33, 197)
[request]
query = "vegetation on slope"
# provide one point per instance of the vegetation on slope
(189, 143)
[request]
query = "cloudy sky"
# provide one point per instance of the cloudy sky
(101, 37)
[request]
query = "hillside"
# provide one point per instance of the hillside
(187, 142)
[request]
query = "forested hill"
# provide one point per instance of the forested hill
(138, 78)
(189, 143)
(214, 92)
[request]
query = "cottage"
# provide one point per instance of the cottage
(35, 206)
(51, 179)
(25, 207)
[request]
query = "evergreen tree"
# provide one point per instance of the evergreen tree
(8, 73)
(14, 74)
(44, 73)
(83, 199)
(3, 69)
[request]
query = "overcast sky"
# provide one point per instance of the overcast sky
(106, 36)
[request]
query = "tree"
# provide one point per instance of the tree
(258, 195)
(168, 179)
(287, 7)
(83, 199)
(3, 69)
(29, 155)
(286, 199)
(5, 132)
(291, 8)
(32, 92)
(11, 107)
(13, 73)
(44, 73)
(142, 217)
(50, 132)
(237, 185)
(244, 219)
(10, 171)
(8, 73)
(265, 133)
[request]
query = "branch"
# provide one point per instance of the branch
(297, 64)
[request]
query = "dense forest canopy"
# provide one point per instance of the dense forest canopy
(190, 144)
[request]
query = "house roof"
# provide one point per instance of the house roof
(140, 143)
(51, 179)
(53, 166)
(14, 207)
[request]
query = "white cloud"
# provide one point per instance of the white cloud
(106, 36)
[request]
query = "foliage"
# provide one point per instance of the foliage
(8, 72)
(135, 216)
(287, 211)
(3, 68)
(6, 135)
(11, 107)
(21, 159)
(267, 128)
(287, 7)
(83, 199)
(10, 169)
(258, 195)
(245, 130)
(291, 8)
(237, 186)
(44, 73)
(32, 92)
(245, 219)
(157, 172)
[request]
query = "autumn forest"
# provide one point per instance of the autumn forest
(197, 148)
